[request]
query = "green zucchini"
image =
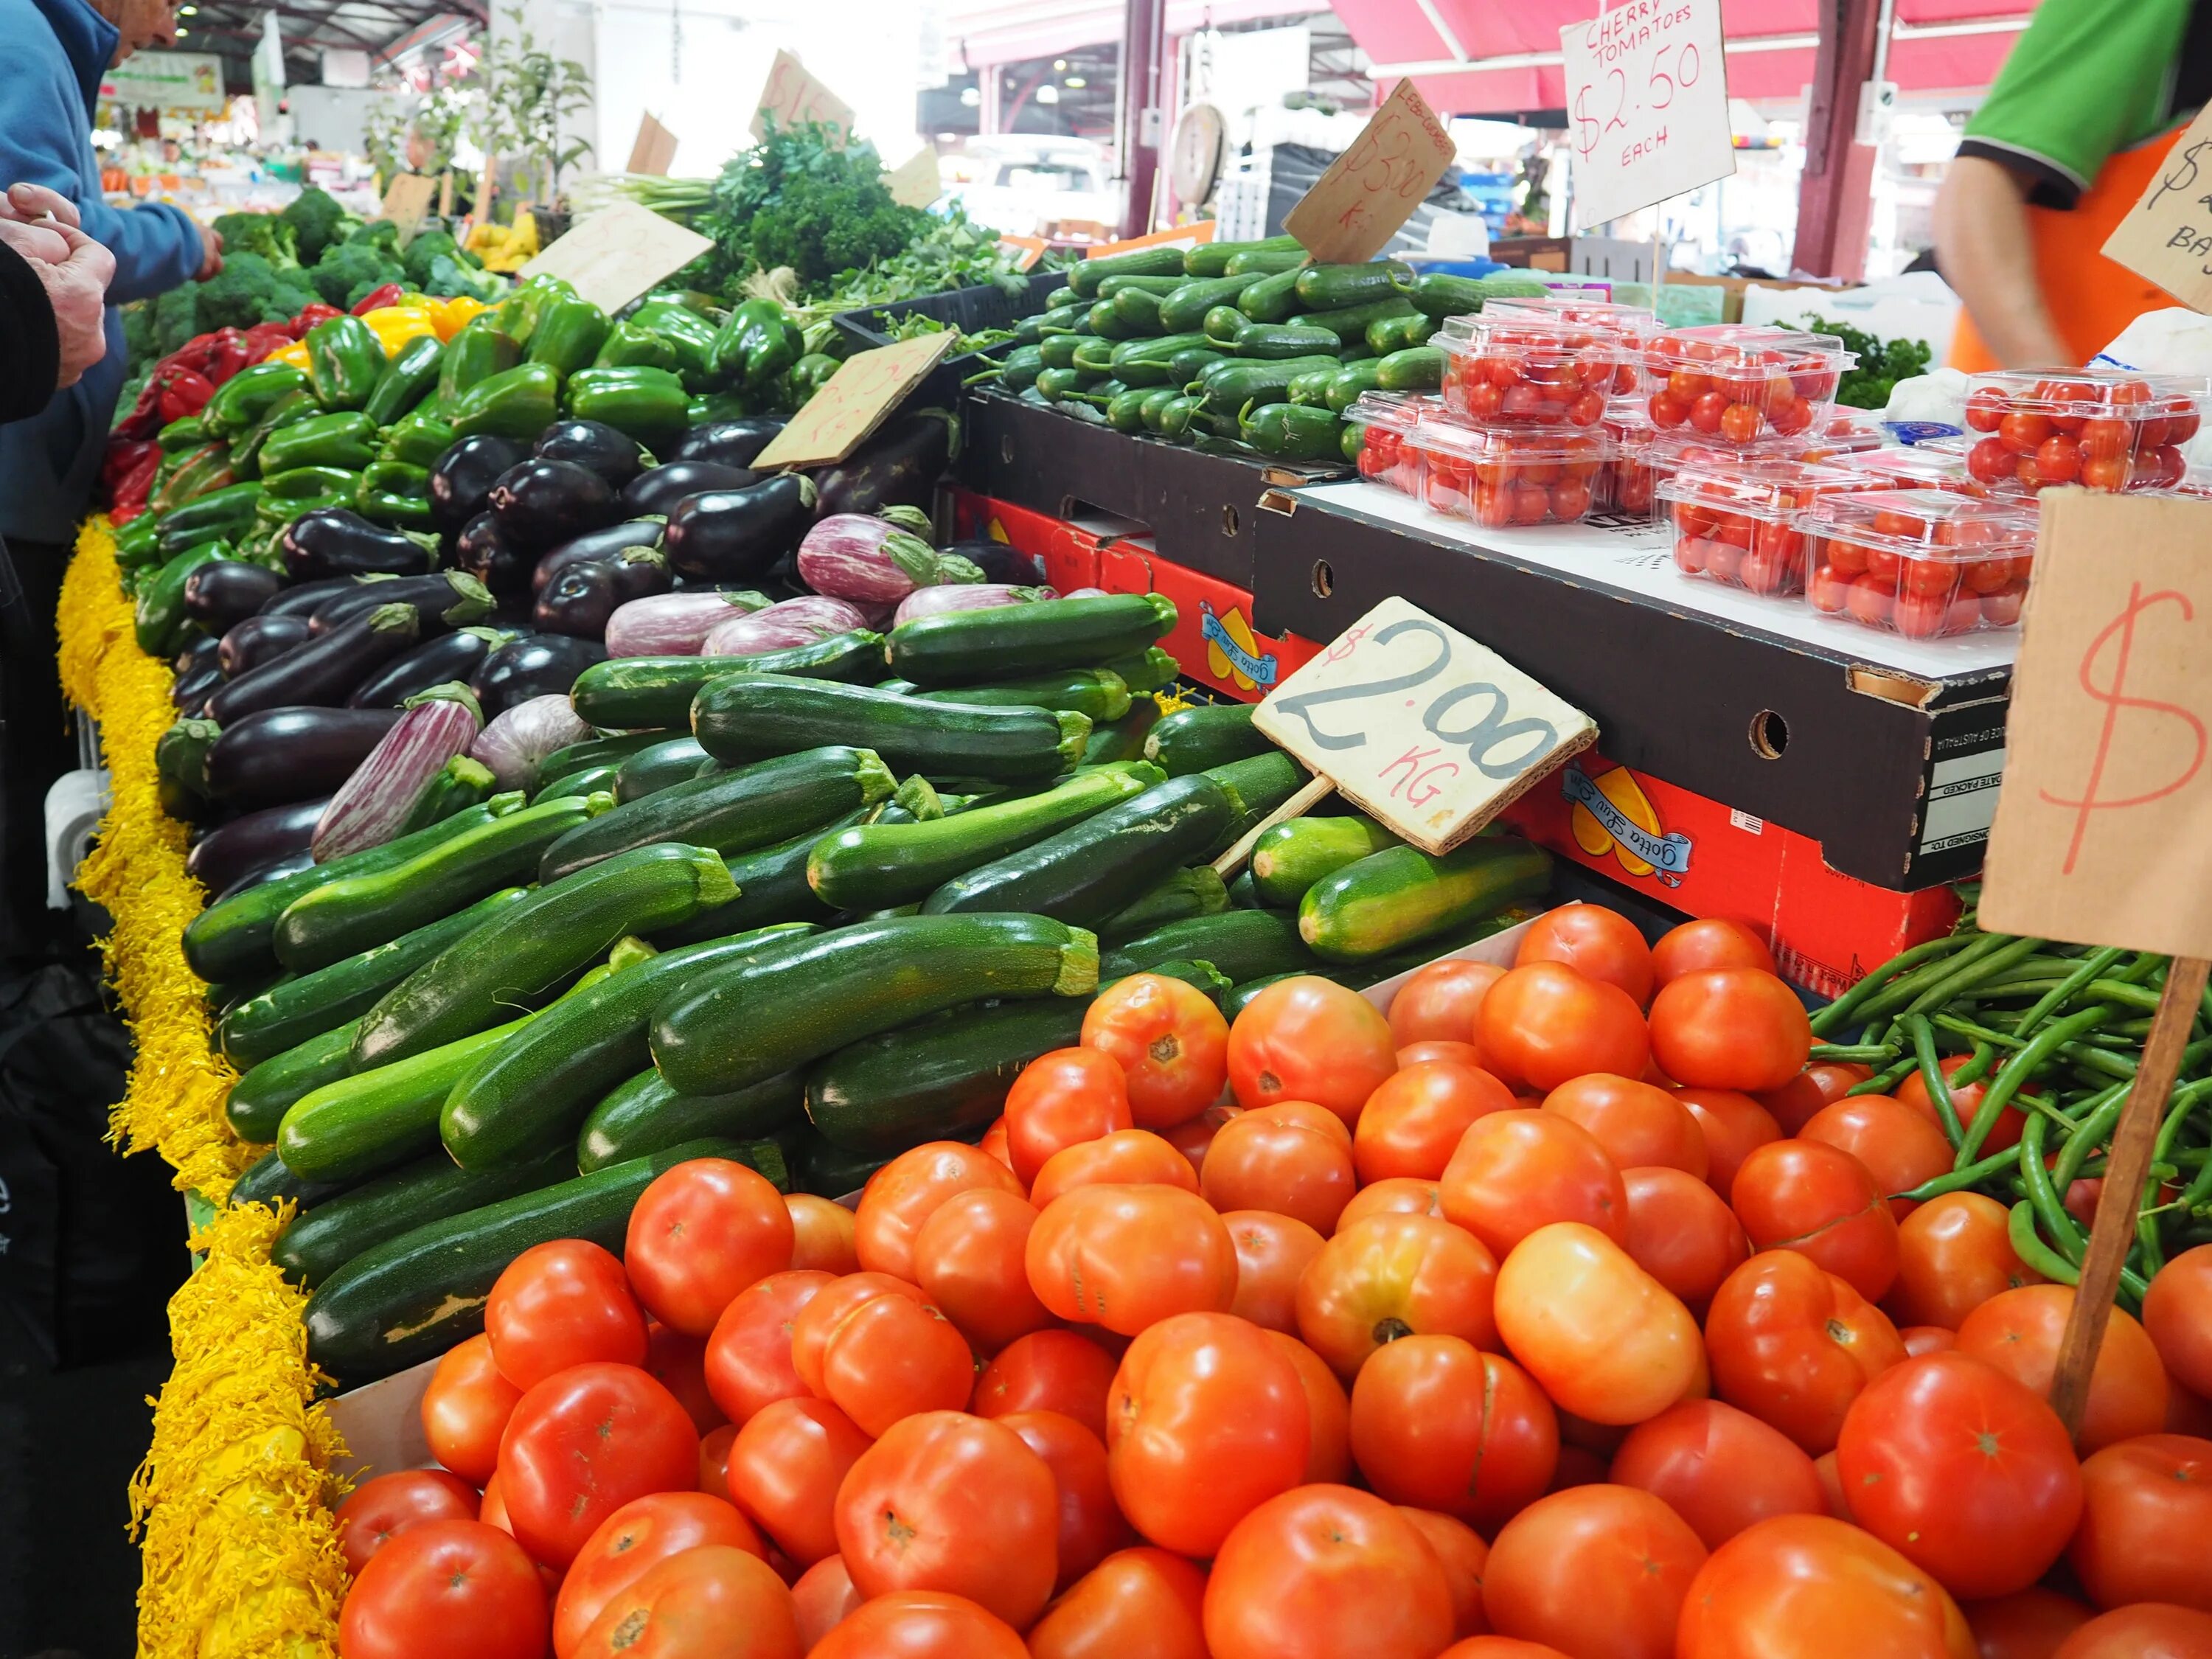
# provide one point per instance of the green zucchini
(1332, 288)
(1394, 899)
(645, 1116)
(1090, 870)
(1374, 970)
(258, 1102)
(926, 1081)
(381, 1117)
(1241, 997)
(1184, 310)
(608, 750)
(1257, 785)
(1098, 694)
(1213, 258)
(266, 1181)
(753, 716)
(1203, 975)
(1204, 734)
(460, 784)
(1267, 261)
(1243, 894)
(1290, 857)
(1272, 299)
(585, 780)
(1269, 341)
(1084, 278)
(963, 647)
(1350, 323)
(1153, 669)
(730, 811)
(344, 918)
(1196, 892)
(1242, 944)
(1122, 739)
(796, 1001)
(535, 1090)
(232, 940)
(872, 865)
(771, 888)
(822, 1167)
(664, 766)
(317, 1243)
(412, 1298)
(537, 944)
(297, 1008)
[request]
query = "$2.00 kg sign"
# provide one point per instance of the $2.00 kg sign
(1431, 733)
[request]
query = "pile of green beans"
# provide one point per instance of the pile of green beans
(2056, 1031)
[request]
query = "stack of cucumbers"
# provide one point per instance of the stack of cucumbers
(826, 906)
(1247, 344)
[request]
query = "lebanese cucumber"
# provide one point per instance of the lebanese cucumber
(926, 1081)
(1184, 310)
(960, 647)
(1291, 856)
(1398, 897)
(258, 1102)
(1265, 342)
(1084, 278)
(1273, 299)
(645, 1116)
(319, 1240)
(1206, 734)
(1332, 288)
(1196, 892)
(1242, 944)
(750, 717)
(1213, 258)
(1098, 694)
(1350, 323)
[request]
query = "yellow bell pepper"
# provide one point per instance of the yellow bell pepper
(394, 325)
(449, 317)
(295, 354)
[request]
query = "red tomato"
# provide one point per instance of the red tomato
(1962, 1471)
(1125, 1257)
(891, 1358)
(1821, 1084)
(1463, 1554)
(1602, 1337)
(581, 1445)
(701, 1233)
(1048, 1371)
(465, 1409)
(954, 1504)
(813, 1325)
(1062, 1099)
(1735, 1124)
(1440, 1001)
(1597, 1569)
(1272, 1252)
(969, 1257)
(785, 1468)
(994, 1141)
(1328, 1413)
(2152, 1630)
(710, 1602)
(678, 1364)
(1900, 1148)
(1729, 1028)
(2178, 1316)
(1967, 1100)
(1927, 1338)
(1500, 1647)
(559, 1304)
(1394, 1277)
(1721, 1469)
(1090, 1526)
(918, 1625)
(714, 1461)
(1803, 1585)
(446, 1589)
(1323, 1571)
(1195, 1139)
(1954, 1253)
(2019, 1333)
(1793, 1345)
(1207, 1420)
(1140, 1601)
(2030, 1625)
(822, 1599)
(1545, 1023)
(1711, 942)
(1515, 1171)
(821, 1235)
(1821, 1202)
(1437, 1424)
(1639, 1125)
(1397, 1195)
(1412, 1123)
(1128, 1157)
(379, 1511)
(906, 1192)
(2147, 1522)
(1438, 1049)
(637, 1537)
(1681, 1234)
(1596, 942)
(1273, 1159)
(749, 1355)
(1170, 1040)
(1309, 1039)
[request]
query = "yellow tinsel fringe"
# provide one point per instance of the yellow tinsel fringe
(178, 1081)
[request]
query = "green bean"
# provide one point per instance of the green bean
(1882, 1082)
(2034, 1254)
(1849, 1053)
(2043, 1195)
(2094, 1128)
(1976, 1034)
(1833, 1017)
(1959, 1180)
(2018, 1070)
(1931, 1075)
(1991, 965)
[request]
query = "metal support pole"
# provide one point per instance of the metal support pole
(1832, 198)
(1136, 161)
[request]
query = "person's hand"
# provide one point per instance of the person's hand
(74, 270)
(30, 204)
(210, 253)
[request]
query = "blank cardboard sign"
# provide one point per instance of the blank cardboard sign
(619, 252)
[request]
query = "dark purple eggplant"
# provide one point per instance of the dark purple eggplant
(659, 490)
(225, 592)
(539, 504)
(291, 863)
(898, 467)
(453, 656)
(197, 654)
(323, 672)
(301, 601)
(733, 443)
(334, 541)
(582, 597)
(611, 543)
(482, 549)
(191, 692)
(451, 598)
(1007, 565)
(252, 840)
(283, 754)
(735, 535)
(255, 641)
(614, 455)
(460, 483)
(535, 665)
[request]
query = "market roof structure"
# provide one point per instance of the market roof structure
(382, 28)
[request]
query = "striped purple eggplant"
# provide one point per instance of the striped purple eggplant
(802, 620)
(675, 624)
(871, 560)
(515, 741)
(375, 803)
(973, 596)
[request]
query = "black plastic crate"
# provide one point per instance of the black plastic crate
(970, 310)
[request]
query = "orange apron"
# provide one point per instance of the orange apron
(2090, 298)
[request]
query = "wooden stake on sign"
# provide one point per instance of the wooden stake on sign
(1231, 864)
(445, 194)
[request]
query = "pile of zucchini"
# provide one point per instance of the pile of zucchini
(804, 911)
(1247, 344)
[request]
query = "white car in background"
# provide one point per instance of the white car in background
(1038, 185)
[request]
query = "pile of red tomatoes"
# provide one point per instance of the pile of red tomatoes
(1564, 1312)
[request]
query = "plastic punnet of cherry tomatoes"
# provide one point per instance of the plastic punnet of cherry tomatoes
(1735, 518)
(1502, 475)
(1920, 563)
(1529, 371)
(1742, 383)
(2106, 429)
(1387, 420)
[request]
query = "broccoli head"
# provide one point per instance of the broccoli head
(450, 278)
(428, 246)
(264, 234)
(317, 220)
(353, 267)
(139, 337)
(238, 295)
(292, 294)
(380, 232)
(176, 318)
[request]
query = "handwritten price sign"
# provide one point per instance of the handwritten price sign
(2101, 832)
(1369, 191)
(2167, 236)
(838, 419)
(792, 96)
(1430, 732)
(1647, 102)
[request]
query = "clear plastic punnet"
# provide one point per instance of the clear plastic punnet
(1385, 419)
(2108, 429)
(1632, 325)
(1919, 563)
(1530, 371)
(1739, 384)
(1735, 521)
(1502, 475)
(1919, 467)
(1846, 432)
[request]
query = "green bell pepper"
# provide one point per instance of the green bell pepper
(1292, 432)
(195, 473)
(569, 333)
(810, 374)
(690, 335)
(159, 618)
(629, 346)
(753, 325)
(225, 512)
(241, 401)
(294, 406)
(345, 360)
(395, 493)
(645, 404)
(300, 483)
(417, 440)
(477, 353)
(518, 403)
(407, 379)
(134, 551)
(186, 432)
(346, 441)
(518, 314)
(718, 406)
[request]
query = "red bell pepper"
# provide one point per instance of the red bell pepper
(377, 298)
(183, 392)
(310, 315)
(228, 351)
(264, 338)
(130, 491)
(122, 456)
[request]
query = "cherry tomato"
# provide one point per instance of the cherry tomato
(1390, 1278)
(1271, 1159)
(749, 1363)
(1953, 1254)
(465, 1409)
(1604, 1339)
(1820, 1084)
(1169, 1038)
(785, 1468)
(1515, 1171)
(891, 1358)
(821, 1235)
(1272, 1252)
(1595, 1568)
(1125, 1257)
(701, 1233)
(970, 1259)
(559, 1304)
(1681, 1233)
(1207, 1420)
(1545, 1023)
(2178, 1316)
(1794, 1345)
(2032, 1623)
(1062, 1099)
(581, 1445)
(446, 1589)
(1397, 1195)
(1734, 1125)
(1639, 1125)
(1128, 1157)
(1438, 1424)
(1090, 1526)
(1807, 1584)
(2019, 1332)
(1821, 1202)
(1463, 1553)
(1898, 1147)
(1711, 942)
(1309, 1039)
(1326, 1571)
(921, 1625)
(1412, 1123)
(636, 1537)
(1137, 1600)
(822, 1599)
(1728, 1028)
(377, 1511)
(2150, 1629)
(1049, 1372)
(1721, 1469)
(906, 1192)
